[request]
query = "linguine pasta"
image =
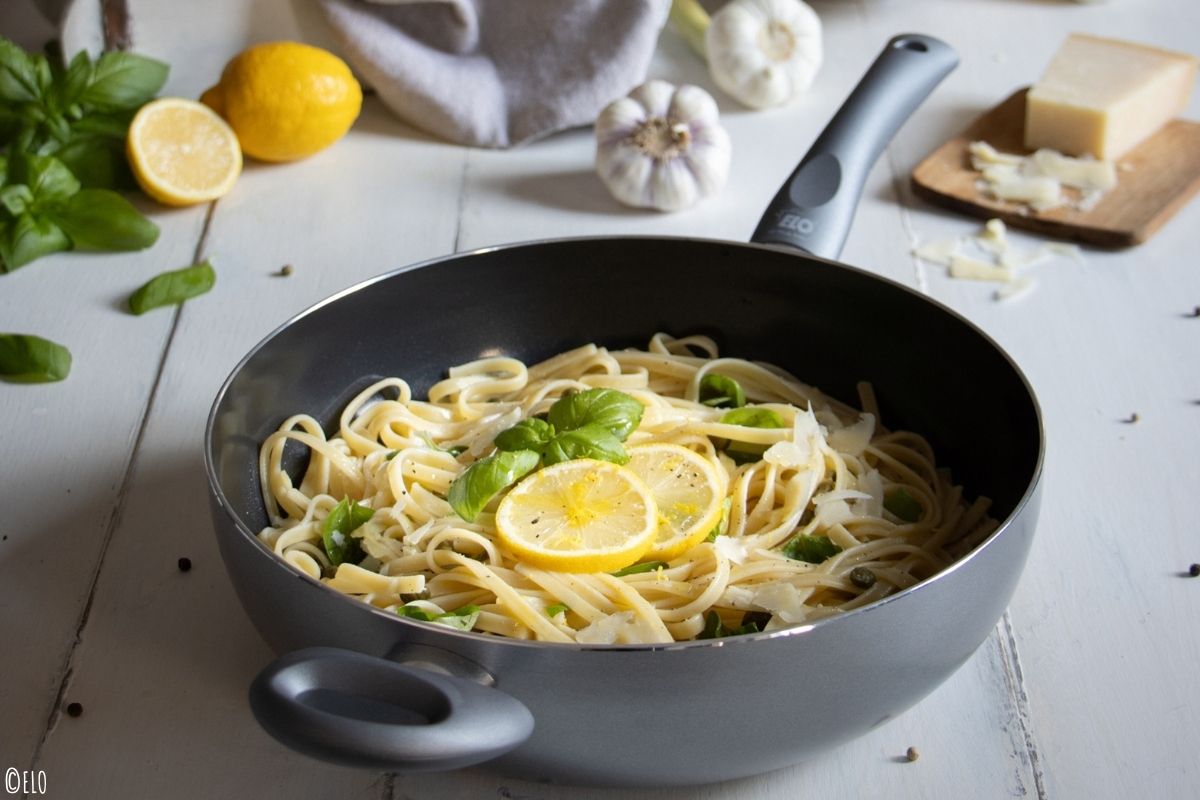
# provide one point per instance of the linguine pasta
(829, 474)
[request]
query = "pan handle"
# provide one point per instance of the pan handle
(358, 710)
(814, 208)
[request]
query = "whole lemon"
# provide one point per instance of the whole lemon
(286, 100)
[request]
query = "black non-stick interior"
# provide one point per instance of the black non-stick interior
(829, 325)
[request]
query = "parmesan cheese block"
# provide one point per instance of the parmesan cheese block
(1102, 96)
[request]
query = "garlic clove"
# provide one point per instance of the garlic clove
(693, 104)
(671, 188)
(654, 96)
(627, 173)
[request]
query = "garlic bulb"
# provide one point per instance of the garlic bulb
(764, 52)
(662, 147)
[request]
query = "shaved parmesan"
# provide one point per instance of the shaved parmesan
(973, 269)
(1037, 181)
(783, 600)
(1014, 288)
(832, 512)
(938, 251)
(788, 454)
(731, 548)
(994, 258)
(607, 630)
(853, 439)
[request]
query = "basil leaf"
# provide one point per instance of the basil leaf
(556, 609)
(70, 84)
(903, 505)
(111, 124)
(720, 391)
(98, 162)
(749, 417)
(752, 417)
(18, 74)
(16, 198)
(27, 238)
(121, 80)
(415, 612)
(47, 178)
(335, 531)
(616, 411)
(528, 434)
(25, 358)
(590, 441)
(462, 619)
(637, 569)
(484, 479)
(813, 549)
(98, 219)
(173, 287)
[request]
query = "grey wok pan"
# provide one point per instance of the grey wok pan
(356, 685)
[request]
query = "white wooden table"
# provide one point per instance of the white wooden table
(1088, 687)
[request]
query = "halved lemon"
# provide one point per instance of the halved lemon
(578, 516)
(182, 152)
(688, 490)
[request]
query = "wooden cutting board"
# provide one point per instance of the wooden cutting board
(1154, 180)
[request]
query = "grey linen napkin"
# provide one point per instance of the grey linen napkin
(497, 73)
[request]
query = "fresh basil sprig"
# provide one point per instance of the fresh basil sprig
(25, 358)
(720, 391)
(171, 288)
(62, 134)
(588, 424)
(813, 549)
(484, 479)
(335, 531)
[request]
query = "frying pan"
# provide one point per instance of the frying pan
(357, 685)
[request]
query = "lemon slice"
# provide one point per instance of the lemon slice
(688, 490)
(182, 152)
(578, 516)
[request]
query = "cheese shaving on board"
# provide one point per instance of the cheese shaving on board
(991, 256)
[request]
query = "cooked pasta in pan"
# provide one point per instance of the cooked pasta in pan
(614, 496)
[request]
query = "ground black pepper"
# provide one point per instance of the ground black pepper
(185, 564)
(74, 709)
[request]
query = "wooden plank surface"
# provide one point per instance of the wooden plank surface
(1086, 688)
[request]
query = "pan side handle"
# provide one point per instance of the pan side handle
(358, 710)
(814, 208)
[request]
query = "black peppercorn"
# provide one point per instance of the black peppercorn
(185, 564)
(74, 709)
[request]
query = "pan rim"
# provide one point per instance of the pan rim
(481, 639)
